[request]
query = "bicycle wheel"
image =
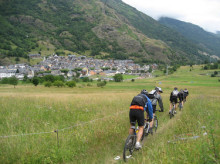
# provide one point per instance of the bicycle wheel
(171, 113)
(129, 147)
(155, 123)
(180, 106)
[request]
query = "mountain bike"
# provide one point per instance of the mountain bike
(147, 126)
(172, 110)
(130, 144)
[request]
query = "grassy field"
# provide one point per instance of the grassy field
(93, 122)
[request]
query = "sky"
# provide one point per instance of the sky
(204, 13)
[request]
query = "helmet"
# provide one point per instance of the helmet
(144, 92)
(175, 88)
(158, 89)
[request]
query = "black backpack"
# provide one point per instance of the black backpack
(151, 94)
(139, 100)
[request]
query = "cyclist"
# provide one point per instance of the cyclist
(173, 98)
(155, 97)
(186, 93)
(139, 104)
(181, 96)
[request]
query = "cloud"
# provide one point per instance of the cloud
(205, 13)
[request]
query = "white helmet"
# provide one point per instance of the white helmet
(158, 89)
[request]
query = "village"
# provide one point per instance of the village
(86, 67)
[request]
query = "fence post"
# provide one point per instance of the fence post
(56, 131)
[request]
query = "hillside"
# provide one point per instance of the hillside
(206, 41)
(100, 28)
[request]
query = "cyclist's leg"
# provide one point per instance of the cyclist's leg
(175, 100)
(140, 120)
(152, 122)
(132, 121)
(140, 133)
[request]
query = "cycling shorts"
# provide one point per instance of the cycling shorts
(173, 99)
(136, 115)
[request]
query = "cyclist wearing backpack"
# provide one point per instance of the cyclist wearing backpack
(139, 104)
(173, 98)
(181, 96)
(155, 97)
(186, 93)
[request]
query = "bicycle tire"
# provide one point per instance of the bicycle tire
(171, 113)
(180, 107)
(129, 146)
(156, 123)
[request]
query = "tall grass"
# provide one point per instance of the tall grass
(93, 123)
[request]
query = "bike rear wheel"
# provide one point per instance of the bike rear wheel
(171, 113)
(129, 147)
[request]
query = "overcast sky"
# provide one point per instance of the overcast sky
(205, 13)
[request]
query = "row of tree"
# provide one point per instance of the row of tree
(58, 81)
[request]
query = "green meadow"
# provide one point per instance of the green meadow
(90, 124)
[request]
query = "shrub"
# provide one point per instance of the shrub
(35, 81)
(48, 84)
(85, 79)
(118, 78)
(101, 84)
(58, 83)
(71, 84)
(89, 84)
(13, 81)
(5, 80)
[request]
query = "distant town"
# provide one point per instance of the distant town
(73, 64)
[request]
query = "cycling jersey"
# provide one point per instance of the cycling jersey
(137, 109)
(157, 97)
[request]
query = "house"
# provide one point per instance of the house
(19, 76)
(30, 74)
(7, 73)
(71, 74)
(92, 72)
(121, 71)
(55, 72)
(34, 56)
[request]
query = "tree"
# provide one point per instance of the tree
(71, 84)
(5, 80)
(35, 81)
(49, 78)
(118, 78)
(58, 83)
(13, 81)
(101, 84)
(48, 84)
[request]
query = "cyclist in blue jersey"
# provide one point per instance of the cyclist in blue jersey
(139, 104)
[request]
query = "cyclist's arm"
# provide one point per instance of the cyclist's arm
(170, 95)
(160, 103)
(150, 108)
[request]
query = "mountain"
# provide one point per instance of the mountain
(218, 33)
(98, 28)
(207, 42)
